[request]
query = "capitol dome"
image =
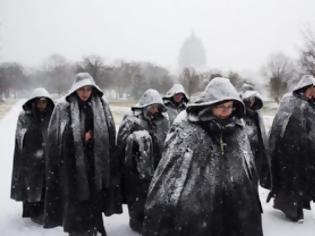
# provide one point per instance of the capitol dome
(192, 54)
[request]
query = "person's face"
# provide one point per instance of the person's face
(178, 97)
(310, 92)
(250, 102)
(223, 110)
(84, 93)
(153, 109)
(41, 104)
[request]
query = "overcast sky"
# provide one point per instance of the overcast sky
(237, 34)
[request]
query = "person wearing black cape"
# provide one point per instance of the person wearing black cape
(292, 144)
(175, 100)
(204, 184)
(257, 135)
(28, 174)
(140, 143)
(82, 172)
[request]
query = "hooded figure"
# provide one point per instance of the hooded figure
(140, 142)
(175, 101)
(205, 182)
(292, 151)
(257, 135)
(28, 175)
(81, 167)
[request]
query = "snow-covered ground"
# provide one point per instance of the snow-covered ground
(12, 224)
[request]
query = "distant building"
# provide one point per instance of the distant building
(192, 54)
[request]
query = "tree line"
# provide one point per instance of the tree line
(123, 80)
(130, 79)
(126, 79)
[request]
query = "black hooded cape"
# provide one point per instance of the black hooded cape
(75, 197)
(291, 144)
(205, 182)
(28, 174)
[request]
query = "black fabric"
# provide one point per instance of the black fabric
(290, 205)
(87, 114)
(28, 174)
(292, 154)
(140, 145)
(82, 178)
(258, 141)
(86, 118)
(204, 183)
(33, 209)
(174, 109)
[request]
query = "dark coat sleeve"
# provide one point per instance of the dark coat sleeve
(276, 133)
(168, 182)
(111, 128)
(178, 144)
(53, 201)
(288, 138)
(135, 150)
(113, 197)
(139, 154)
(17, 185)
(127, 127)
(265, 168)
(112, 139)
(296, 143)
(187, 185)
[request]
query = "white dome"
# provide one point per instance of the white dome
(192, 54)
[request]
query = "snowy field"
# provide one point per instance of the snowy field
(12, 224)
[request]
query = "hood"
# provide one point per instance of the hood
(253, 94)
(218, 90)
(81, 80)
(305, 81)
(176, 89)
(246, 87)
(149, 97)
(38, 93)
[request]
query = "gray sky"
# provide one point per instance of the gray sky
(238, 34)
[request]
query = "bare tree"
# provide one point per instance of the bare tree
(307, 53)
(191, 80)
(139, 85)
(95, 66)
(12, 79)
(236, 79)
(134, 78)
(123, 75)
(280, 71)
(59, 73)
(157, 77)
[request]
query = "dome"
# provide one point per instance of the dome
(192, 54)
